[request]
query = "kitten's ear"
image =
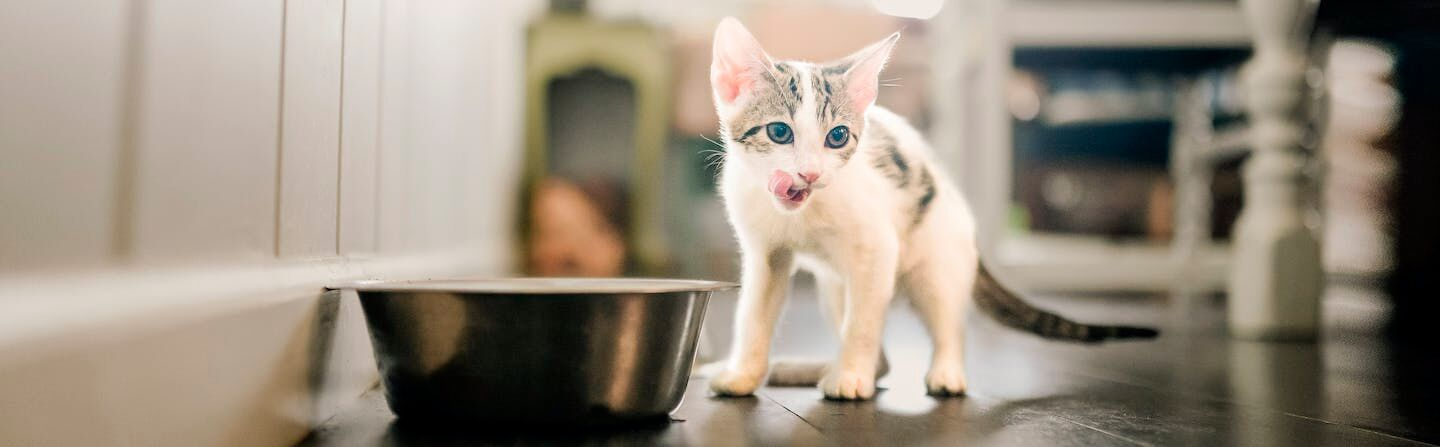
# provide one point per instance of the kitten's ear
(738, 63)
(862, 76)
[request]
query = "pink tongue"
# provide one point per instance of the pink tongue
(780, 183)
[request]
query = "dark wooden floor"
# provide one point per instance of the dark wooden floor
(1193, 386)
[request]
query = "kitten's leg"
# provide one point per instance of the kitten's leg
(870, 271)
(832, 300)
(808, 372)
(939, 290)
(765, 278)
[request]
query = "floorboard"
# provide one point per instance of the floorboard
(1192, 386)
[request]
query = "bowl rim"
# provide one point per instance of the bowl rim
(536, 285)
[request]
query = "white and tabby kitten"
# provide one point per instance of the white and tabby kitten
(818, 177)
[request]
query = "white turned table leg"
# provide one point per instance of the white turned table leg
(1277, 278)
(1191, 171)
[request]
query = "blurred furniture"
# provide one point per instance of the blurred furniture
(975, 131)
(1407, 28)
(1276, 279)
(1199, 150)
(567, 43)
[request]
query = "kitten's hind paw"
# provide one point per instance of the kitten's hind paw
(792, 372)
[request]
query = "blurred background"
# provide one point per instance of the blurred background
(577, 137)
(164, 164)
(1096, 160)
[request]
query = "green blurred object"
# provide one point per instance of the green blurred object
(564, 44)
(1019, 218)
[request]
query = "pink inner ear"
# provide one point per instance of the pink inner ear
(729, 84)
(862, 94)
(863, 78)
(863, 83)
(732, 71)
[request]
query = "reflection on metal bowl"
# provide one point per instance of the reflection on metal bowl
(529, 351)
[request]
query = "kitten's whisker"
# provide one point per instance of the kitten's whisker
(712, 153)
(721, 146)
(715, 158)
(716, 163)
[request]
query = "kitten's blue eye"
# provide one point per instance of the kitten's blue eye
(837, 137)
(779, 133)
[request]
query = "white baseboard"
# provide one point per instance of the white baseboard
(220, 355)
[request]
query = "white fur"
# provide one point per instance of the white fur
(856, 233)
(855, 236)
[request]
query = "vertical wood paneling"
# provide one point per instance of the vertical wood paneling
(61, 78)
(464, 162)
(152, 131)
(393, 202)
(482, 141)
(401, 138)
(449, 144)
(497, 180)
(359, 127)
(310, 128)
(437, 88)
(207, 136)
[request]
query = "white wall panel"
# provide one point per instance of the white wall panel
(208, 132)
(360, 126)
(440, 88)
(62, 74)
(498, 185)
(449, 156)
(464, 116)
(310, 128)
(394, 189)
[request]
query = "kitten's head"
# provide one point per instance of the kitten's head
(795, 123)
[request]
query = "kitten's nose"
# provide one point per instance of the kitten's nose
(809, 177)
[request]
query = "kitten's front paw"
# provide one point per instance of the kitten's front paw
(945, 380)
(840, 384)
(732, 383)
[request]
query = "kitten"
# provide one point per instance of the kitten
(820, 178)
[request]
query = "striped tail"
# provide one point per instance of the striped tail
(1002, 304)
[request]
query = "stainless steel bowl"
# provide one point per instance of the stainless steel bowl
(529, 351)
